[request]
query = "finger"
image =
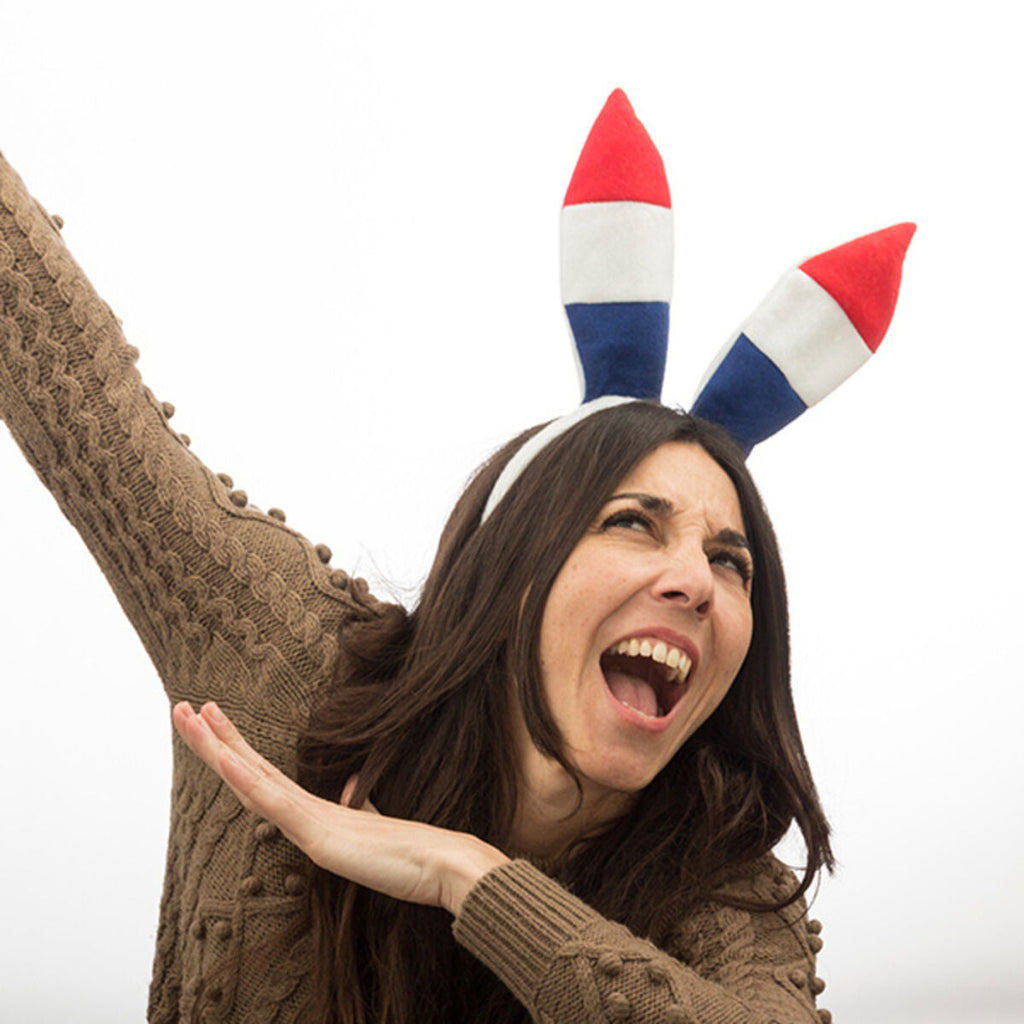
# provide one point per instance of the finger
(346, 794)
(196, 732)
(349, 791)
(260, 786)
(220, 744)
(224, 729)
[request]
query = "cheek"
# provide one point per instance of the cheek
(746, 631)
(556, 633)
(565, 613)
(739, 632)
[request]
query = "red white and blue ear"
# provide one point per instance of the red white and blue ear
(821, 322)
(616, 257)
(616, 269)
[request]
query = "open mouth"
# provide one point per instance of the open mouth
(647, 675)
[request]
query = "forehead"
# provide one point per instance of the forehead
(686, 476)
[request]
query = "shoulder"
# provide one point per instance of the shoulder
(741, 938)
(766, 880)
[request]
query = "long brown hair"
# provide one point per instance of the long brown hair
(422, 707)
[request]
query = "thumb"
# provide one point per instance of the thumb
(349, 791)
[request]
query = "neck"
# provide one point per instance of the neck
(551, 817)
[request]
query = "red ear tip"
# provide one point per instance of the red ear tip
(900, 235)
(619, 162)
(863, 276)
(617, 99)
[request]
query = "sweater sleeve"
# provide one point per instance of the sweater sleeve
(569, 965)
(229, 602)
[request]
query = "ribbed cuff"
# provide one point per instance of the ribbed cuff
(515, 920)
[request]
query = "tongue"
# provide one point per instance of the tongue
(637, 693)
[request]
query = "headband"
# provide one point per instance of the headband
(820, 322)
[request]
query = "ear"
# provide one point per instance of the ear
(818, 325)
(616, 257)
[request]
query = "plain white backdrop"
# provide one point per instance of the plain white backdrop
(331, 229)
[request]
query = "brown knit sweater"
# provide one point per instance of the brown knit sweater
(233, 605)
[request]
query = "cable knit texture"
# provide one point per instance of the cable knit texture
(233, 605)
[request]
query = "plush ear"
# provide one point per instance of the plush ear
(616, 257)
(815, 327)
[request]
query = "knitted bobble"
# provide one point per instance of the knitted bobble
(239, 498)
(294, 885)
(226, 480)
(222, 930)
(265, 831)
(250, 886)
(323, 552)
(814, 927)
(798, 977)
(817, 986)
(815, 942)
(657, 972)
(675, 1014)
(58, 221)
(825, 1016)
(185, 440)
(619, 1007)
(168, 409)
(276, 513)
(339, 578)
(609, 964)
(197, 930)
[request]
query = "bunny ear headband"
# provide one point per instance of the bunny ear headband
(818, 324)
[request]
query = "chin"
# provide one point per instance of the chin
(619, 775)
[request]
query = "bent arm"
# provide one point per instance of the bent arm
(228, 601)
(569, 965)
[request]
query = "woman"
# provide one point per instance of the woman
(515, 710)
(600, 832)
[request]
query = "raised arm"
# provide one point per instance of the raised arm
(228, 601)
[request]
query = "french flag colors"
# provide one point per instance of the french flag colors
(815, 327)
(616, 257)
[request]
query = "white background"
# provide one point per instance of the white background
(332, 230)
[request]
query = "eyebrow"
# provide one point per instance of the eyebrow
(664, 508)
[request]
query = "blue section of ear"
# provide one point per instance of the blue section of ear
(748, 395)
(622, 347)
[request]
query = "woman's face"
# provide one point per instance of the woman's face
(649, 619)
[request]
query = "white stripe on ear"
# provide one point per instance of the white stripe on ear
(616, 252)
(805, 333)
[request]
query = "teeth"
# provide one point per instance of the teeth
(677, 664)
(680, 671)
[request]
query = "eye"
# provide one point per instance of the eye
(630, 519)
(735, 562)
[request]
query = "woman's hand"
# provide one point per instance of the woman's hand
(404, 859)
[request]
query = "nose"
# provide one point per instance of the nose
(686, 580)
